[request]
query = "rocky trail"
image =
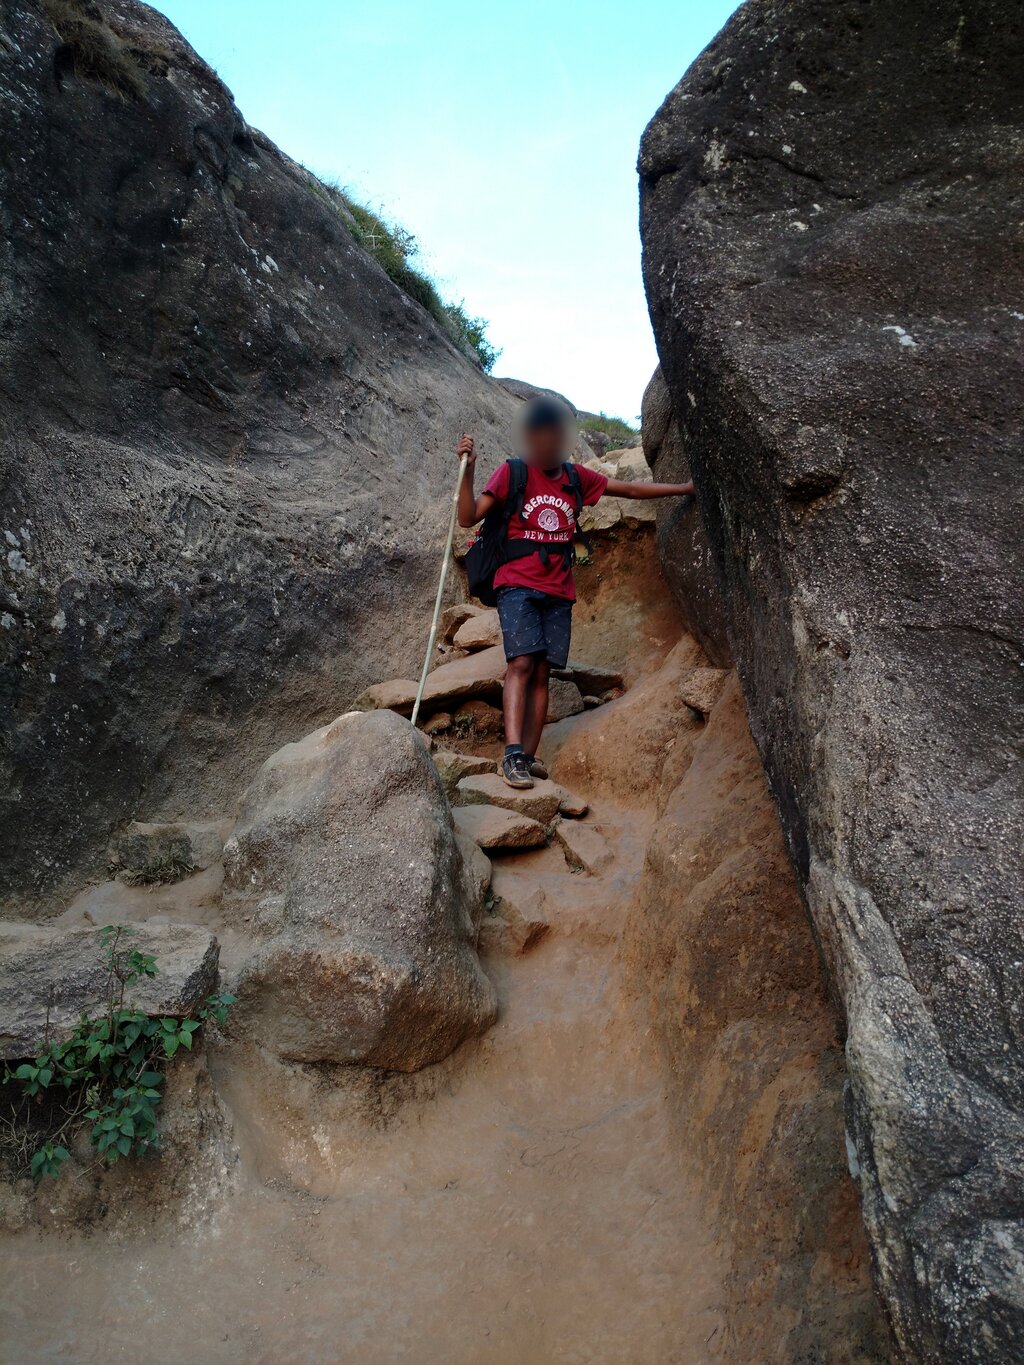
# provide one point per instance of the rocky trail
(523, 1200)
(524, 1203)
(708, 1050)
(530, 1197)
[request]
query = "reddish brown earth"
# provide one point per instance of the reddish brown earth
(641, 1162)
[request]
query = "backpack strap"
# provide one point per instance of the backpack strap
(574, 485)
(517, 476)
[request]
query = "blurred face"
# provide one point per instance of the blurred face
(546, 446)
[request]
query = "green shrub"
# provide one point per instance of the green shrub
(619, 432)
(108, 1073)
(471, 333)
(395, 248)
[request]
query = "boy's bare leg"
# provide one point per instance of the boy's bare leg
(536, 705)
(515, 696)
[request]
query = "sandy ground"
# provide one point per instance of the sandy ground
(523, 1202)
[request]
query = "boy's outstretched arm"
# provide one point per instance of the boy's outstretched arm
(471, 508)
(618, 488)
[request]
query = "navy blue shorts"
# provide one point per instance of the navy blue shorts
(534, 622)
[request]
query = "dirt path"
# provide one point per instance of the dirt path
(521, 1203)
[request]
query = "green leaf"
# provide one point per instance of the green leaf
(185, 1039)
(170, 1043)
(124, 1145)
(151, 1078)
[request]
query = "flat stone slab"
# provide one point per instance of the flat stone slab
(518, 923)
(572, 806)
(564, 700)
(540, 802)
(167, 852)
(585, 847)
(496, 829)
(590, 678)
(702, 687)
(478, 675)
(454, 767)
(479, 632)
(66, 970)
(453, 617)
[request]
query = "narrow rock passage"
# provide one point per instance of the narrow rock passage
(521, 1202)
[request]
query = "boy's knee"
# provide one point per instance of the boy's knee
(521, 666)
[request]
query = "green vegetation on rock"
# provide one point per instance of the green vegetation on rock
(109, 1073)
(395, 248)
(620, 433)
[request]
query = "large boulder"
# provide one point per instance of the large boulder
(345, 869)
(682, 541)
(831, 211)
(225, 441)
(50, 977)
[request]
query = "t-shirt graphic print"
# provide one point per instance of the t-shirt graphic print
(548, 515)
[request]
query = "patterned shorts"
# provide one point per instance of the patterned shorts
(534, 622)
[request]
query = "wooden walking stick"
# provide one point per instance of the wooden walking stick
(463, 462)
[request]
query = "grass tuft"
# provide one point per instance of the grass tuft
(155, 874)
(92, 50)
(620, 433)
(395, 248)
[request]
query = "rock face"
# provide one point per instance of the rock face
(831, 210)
(345, 866)
(225, 444)
(682, 540)
(719, 944)
(50, 977)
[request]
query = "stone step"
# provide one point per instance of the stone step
(478, 675)
(701, 688)
(584, 846)
(518, 923)
(495, 829)
(540, 802)
(453, 767)
(478, 632)
(571, 806)
(590, 678)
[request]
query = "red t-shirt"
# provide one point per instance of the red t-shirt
(548, 515)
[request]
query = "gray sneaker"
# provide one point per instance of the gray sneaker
(535, 766)
(515, 771)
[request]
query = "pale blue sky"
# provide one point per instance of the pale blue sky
(503, 136)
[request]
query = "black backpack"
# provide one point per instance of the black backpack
(492, 547)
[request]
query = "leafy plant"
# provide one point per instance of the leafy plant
(619, 432)
(395, 249)
(473, 333)
(110, 1072)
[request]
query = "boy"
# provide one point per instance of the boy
(535, 588)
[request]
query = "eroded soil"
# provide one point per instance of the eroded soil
(525, 1201)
